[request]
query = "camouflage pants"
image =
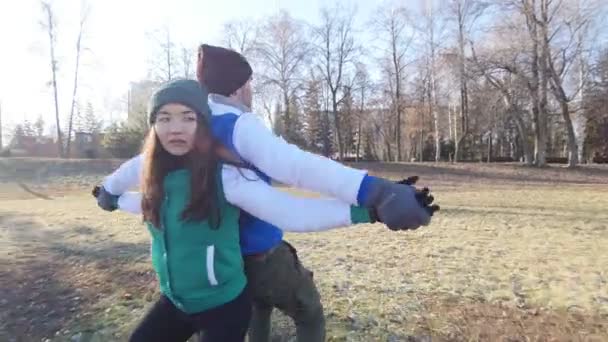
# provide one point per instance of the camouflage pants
(278, 280)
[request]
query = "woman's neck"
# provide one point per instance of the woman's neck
(176, 162)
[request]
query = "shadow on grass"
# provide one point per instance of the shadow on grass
(491, 173)
(48, 282)
(562, 214)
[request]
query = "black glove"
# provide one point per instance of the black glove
(105, 200)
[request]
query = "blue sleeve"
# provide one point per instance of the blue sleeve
(364, 189)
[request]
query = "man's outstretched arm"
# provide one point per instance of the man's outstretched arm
(288, 164)
(284, 210)
(291, 165)
(125, 177)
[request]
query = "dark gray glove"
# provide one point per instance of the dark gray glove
(423, 196)
(396, 205)
(105, 200)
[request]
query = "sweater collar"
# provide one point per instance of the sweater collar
(221, 100)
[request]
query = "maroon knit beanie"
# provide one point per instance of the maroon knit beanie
(221, 71)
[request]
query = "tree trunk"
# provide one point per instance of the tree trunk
(450, 125)
(71, 119)
(398, 128)
(565, 109)
(421, 134)
(581, 120)
(489, 158)
(397, 97)
(435, 116)
(572, 146)
(459, 146)
(51, 33)
(169, 56)
(287, 124)
(69, 137)
(326, 134)
(537, 84)
(464, 94)
(557, 88)
(542, 109)
(389, 154)
(358, 140)
(523, 134)
(433, 86)
(334, 104)
(457, 142)
(360, 122)
(455, 139)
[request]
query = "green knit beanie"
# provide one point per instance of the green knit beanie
(186, 92)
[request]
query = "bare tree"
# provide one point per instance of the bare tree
(501, 80)
(164, 64)
(187, 62)
(39, 126)
(363, 87)
(527, 59)
(84, 12)
(538, 80)
(241, 36)
(391, 26)
(466, 13)
(49, 24)
(570, 25)
(432, 30)
(282, 51)
(336, 49)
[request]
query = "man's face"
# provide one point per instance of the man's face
(246, 94)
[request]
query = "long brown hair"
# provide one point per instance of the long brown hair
(202, 164)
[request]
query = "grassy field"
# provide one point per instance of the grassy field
(515, 254)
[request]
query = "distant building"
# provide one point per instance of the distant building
(31, 146)
(87, 145)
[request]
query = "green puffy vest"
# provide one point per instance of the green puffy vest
(198, 268)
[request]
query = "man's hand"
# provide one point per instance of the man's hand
(105, 200)
(399, 205)
(395, 205)
(423, 196)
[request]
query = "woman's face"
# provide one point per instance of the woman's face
(175, 127)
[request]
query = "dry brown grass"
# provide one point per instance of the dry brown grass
(490, 256)
(511, 256)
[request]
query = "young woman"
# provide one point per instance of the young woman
(196, 251)
(195, 237)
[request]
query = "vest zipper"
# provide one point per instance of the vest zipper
(164, 230)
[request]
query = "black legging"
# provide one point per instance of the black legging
(166, 323)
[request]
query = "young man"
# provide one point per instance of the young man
(275, 275)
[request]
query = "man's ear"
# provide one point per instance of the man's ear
(199, 65)
(236, 93)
